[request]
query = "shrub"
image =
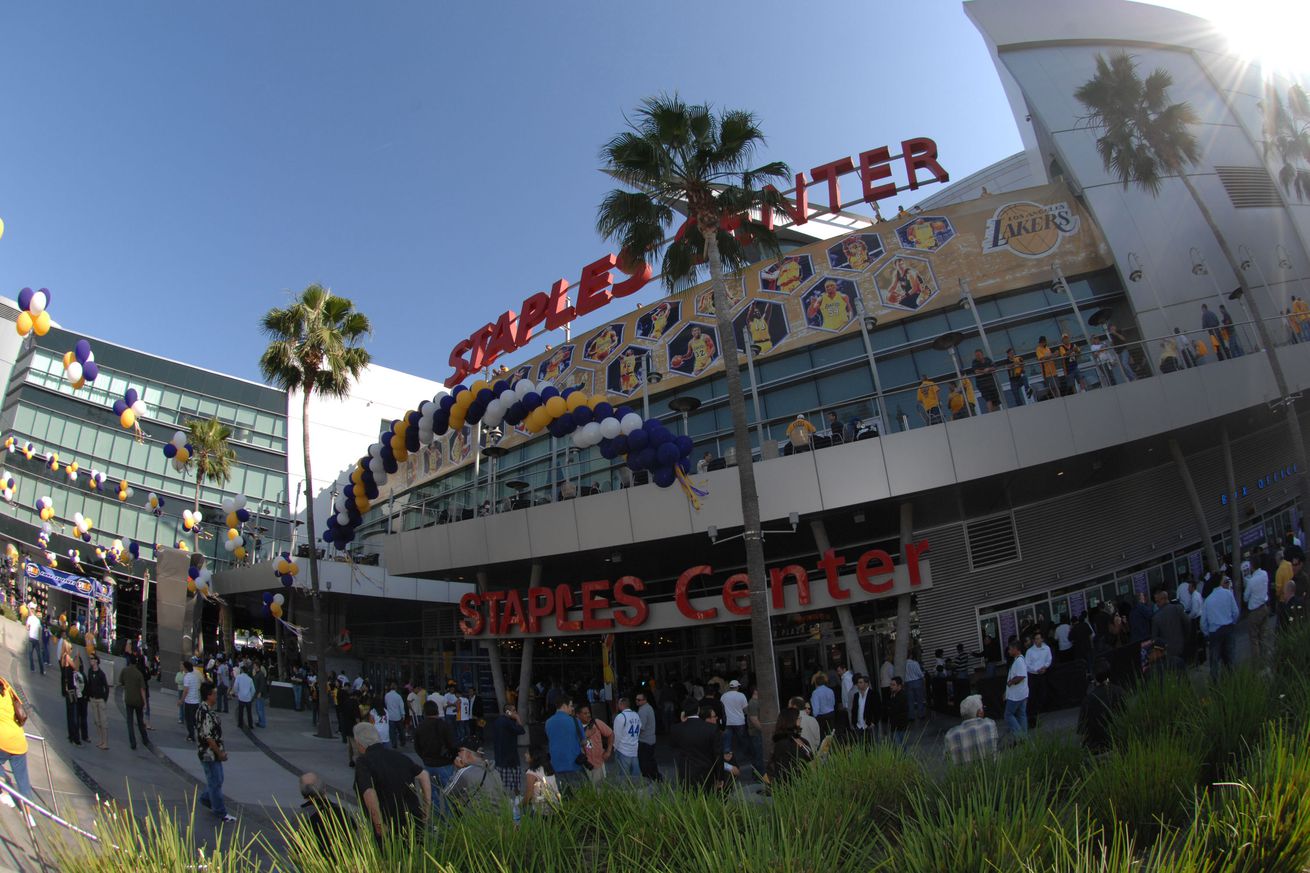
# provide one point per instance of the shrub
(1057, 761)
(1145, 784)
(985, 825)
(1231, 715)
(1160, 707)
(1262, 822)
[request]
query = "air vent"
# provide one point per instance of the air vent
(439, 623)
(992, 541)
(1249, 187)
(8, 313)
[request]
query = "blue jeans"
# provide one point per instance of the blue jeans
(34, 655)
(393, 734)
(757, 752)
(440, 777)
(737, 741)
(259, 711)
(628, 767)
(1222, 647)
(214, 787)
(1016, 717)
(18, 765)
(295, 692)
(918, 698)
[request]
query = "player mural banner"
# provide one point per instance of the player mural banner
(896, 268)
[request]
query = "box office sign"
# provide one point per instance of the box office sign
(605, 606)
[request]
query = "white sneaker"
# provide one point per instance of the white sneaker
(6, 800)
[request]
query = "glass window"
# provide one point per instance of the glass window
(842, 350)
(782, 368)
(927, 327)
(841, 387)
(790, 400)
(1018, 304)
(889, 337)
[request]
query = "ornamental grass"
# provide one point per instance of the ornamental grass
(1200, 778)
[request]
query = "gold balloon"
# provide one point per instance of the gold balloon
(24, 323)
(128, 418)
(42, 324)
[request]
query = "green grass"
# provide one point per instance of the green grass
(1200, 779)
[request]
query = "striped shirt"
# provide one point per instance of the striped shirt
(971, 740)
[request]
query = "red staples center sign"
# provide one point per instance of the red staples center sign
(602, 606)
(597, 286)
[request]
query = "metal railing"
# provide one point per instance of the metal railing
(960, 393)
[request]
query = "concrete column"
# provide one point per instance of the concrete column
(525, 663)
(902, 649)
(225, 622)
(493, 653)
(854, 652)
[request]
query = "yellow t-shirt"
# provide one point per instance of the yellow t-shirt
(835, 312)
(12, 739)
(760, 334)
(1281, 577)
(928, 395)
(1044, 358)
(956, 400)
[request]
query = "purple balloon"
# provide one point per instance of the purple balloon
(82, 351)
(119, 407)
(24, 299)
(131, 396)
(170, 450)
(90, 370)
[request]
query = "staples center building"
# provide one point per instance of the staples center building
(1046, 494)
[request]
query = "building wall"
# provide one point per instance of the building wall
(1050, 49)
(1088, 533)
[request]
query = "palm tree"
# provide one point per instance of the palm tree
(1147, 138)
(1287, 126)
(674, 154)
(314, 349)
(212, 459)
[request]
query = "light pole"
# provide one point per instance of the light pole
(947, 343)
(1136, 273)
(1248, 262)
(1063, 284)
(495, 453)
(755, 390)
(648, 377)
(1201, 268)
(685, 405)
(868, 322)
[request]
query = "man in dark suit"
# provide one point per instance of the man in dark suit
(698, 749)
(863, 711)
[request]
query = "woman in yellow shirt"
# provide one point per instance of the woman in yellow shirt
(13, 742)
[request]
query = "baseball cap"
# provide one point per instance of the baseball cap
(734, 684)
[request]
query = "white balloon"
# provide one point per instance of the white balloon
(609, 428)
(228, 504)
(74, 371)
(508, 396)
(523, 388)
(592, 431)
(494, 414)
(77, 519)
(279, 599)
(140, 409)
(131, 492)
(240, 501)
(38, 304)
(426, 407)
(375, 450)
(630, 422)
(229, 545)
(196, 516)
(186, 514)
(240, 541)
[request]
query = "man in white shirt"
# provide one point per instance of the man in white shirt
(734, 717)
(1038, 661)
(916, 688)
(847, 685)
(359, 682)
(464, 720)
(34, 641)
(191, 699)
(1255, 591)
(1063, 638)
(244, 688)
(627, 733)
(224, 675)
(1016, 693)
(395, 706)
(1217, 622)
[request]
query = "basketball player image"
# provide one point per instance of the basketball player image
(758, 326)
(459, 447)
(831, 310)
(701, 351)
(857, 253)
(659, 320)
(908, 286)
(628, 380)
(555, 364)
(921, 234)
(789, 275)
(602, 344)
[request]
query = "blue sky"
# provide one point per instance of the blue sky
(172, 170)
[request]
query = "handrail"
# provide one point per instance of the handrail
(470, 499)
(45, 758)
(31, 804)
